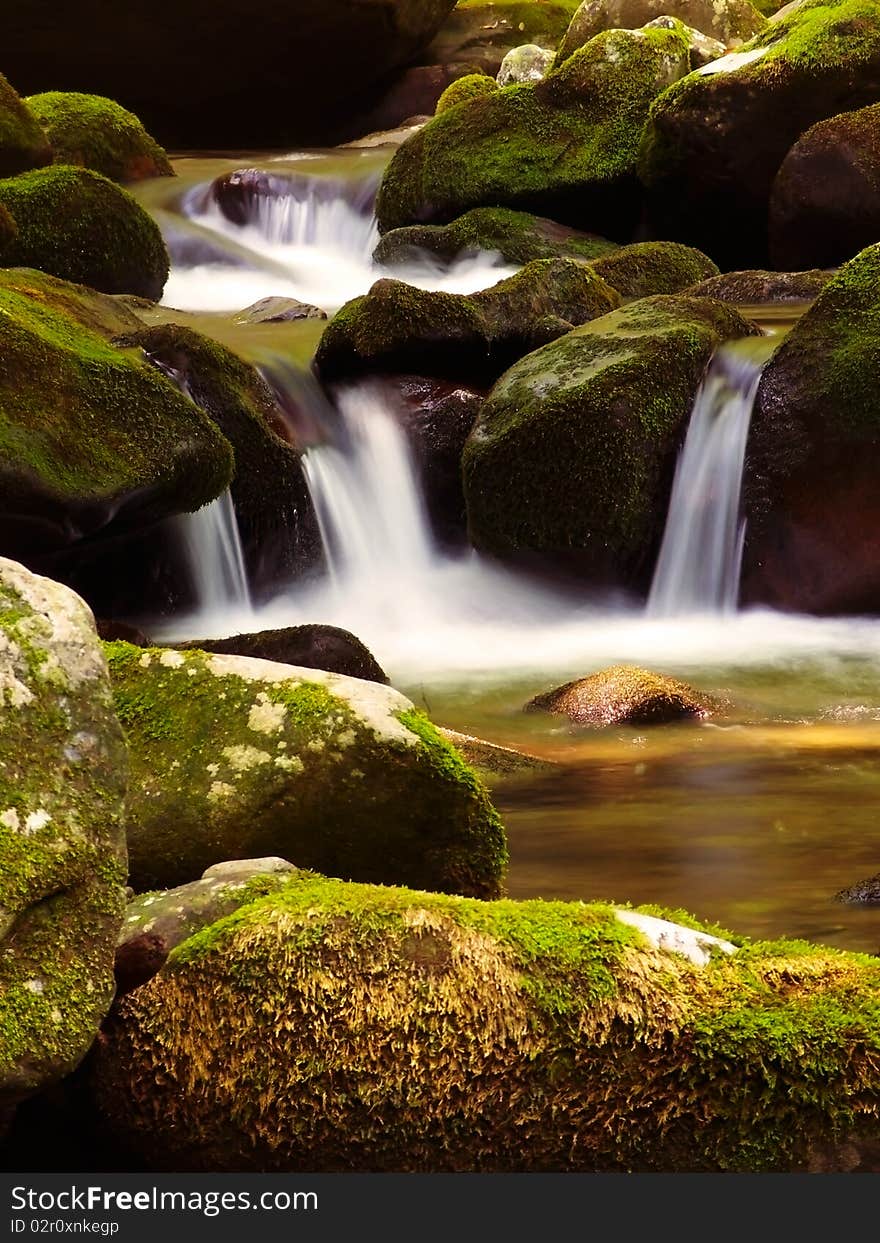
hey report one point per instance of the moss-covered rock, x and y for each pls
(23, 144)
(311, 647)
(62, 785)
(809, 488)
(623, 695)
(716, 140)
(357, 1027)
(233, 757)
(471, 86)
(732, 22)
(564, 147)
(825, 202)
(276, 517)
(572, 453)
(527, 63)
(8, 231)
(94, 132)
(117, 445)
(398, 328)
(77, 225)
(516, 235)
(758, 288)
(646, 268)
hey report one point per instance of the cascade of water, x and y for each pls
(212, 547)
(698, 568)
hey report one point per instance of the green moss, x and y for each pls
(93, 132)
(80, 226)
(114, 426)
(647, 268)
(471, 86)
(566, 145)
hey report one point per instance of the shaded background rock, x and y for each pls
(312, 646)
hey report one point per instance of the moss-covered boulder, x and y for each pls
(825, 202)
(646, 268)
(275, 514)
(572, 454)
(623, 695)
(471, 86)
(155, 923)
(565, 147)
(233, 757)
(732, 22)
(516, 235)
(398, 328)
(312, 646)
(527, 63)
(77, 225)
(178, 64)
(117, 446)
(62, 878)
(351, 1027)
(23, 144)
(97, 133)
(8, 231)
(758, 288)
(716, 140)
(813, 455)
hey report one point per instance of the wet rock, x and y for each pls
(467, 337)
(243, 196)
(756, 287)
(715, 141)
(77, 225)
(571, 459)
(813, 454)
(862, 893)
(311, 647)
(731, 22)
(565, 147)
(109, 630)
(278, 311)
(233, 757)
(96, 133)
(516, 235)
(490, 759)
(528, 63)
(646, 268)
(156, 923)
(173, 68)
(825, 203)
(62, 879)
(415, 1032)
(623, 695)
(23, 144)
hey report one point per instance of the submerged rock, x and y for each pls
(491, 760)
(755, 288)
(278, 311)
(155, 923)
(813, 456)
(516, 235)
(311, 647)
(398, 328)
(359, 1027)
(715, 141)
(624, 695)
(646, 268)
(77, 225)
(233, 757)
(23, 144)
(862, 893)
(572, 455)
(62, 878)
(565, 147)
(94, 132)
(825, 203)
(117, 447)
(729, 21)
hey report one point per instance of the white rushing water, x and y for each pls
(212, 549)
(698, 569)
(313, 243)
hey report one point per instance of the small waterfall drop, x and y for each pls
(698, 568)
(212, 549)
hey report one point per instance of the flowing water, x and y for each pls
(214, 558)
(753, 820)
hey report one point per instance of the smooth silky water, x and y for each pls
(753, 820)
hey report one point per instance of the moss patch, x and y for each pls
(471, 86)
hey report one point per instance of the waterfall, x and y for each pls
(698, 568)
(211, 546)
